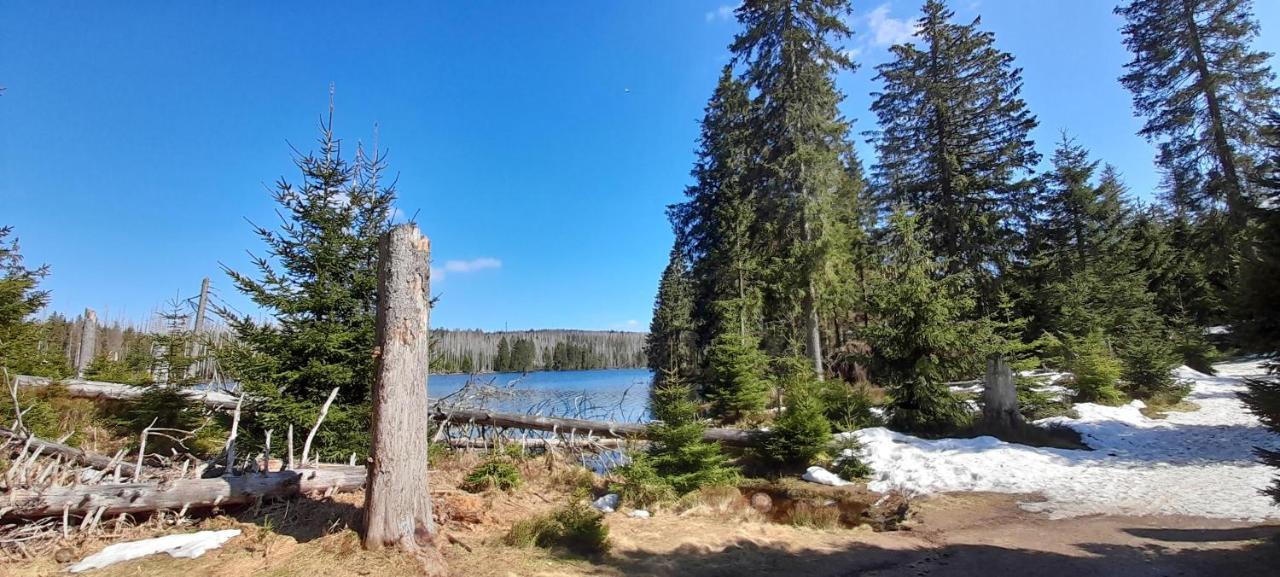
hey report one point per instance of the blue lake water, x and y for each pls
(603, 394)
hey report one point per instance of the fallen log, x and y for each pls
(608, 429)
(536, 443)
(68, 452)
(81, 388)
(178, 494)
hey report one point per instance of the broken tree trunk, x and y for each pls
(52, 448)
(397, 510)
(88, 342)
(607, 429)
(178, 494)
(1000, 396)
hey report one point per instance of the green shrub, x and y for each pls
(736, 383)
(1094, 369)
(1036, 404)
(1193, 349)
(926, 407)
(575, 527)
(641, 486)
(495, 473)
(437, 452)
(801, 432)
(1148, 366)
(848, 464)
(848, 406)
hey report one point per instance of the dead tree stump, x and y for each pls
(397, 509)
(1000, 396)
(88, 342)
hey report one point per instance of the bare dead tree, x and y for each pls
(398, 498)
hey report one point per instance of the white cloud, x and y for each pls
(464, 267)
(887, 31)
(724, 12)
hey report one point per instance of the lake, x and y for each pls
(602, 394)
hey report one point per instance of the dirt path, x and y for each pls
(962, 535)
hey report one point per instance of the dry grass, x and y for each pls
(1159, 410)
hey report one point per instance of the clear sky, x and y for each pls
(538, 142)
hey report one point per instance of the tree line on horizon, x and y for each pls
(475, 351)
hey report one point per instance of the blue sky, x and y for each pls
(538, 142)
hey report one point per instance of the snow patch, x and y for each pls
(1198, 463)
(822, 476)
(188, 545)
(607, 503)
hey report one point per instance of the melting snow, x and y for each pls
(1197, 463)
(822, 476)
(189, 545)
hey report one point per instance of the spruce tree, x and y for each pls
(677, 451)
(669, 345)
(789, 54)
(921, 331)
(1258, 313)
(735, 378)
(717, 223)
(20, 299)
(1204, 92)
(502, 361)
(320, 287)
(954, 143)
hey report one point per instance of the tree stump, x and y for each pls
(88, 342)
(397, 500)
(1000, 396)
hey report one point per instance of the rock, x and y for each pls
(822, 476)
(607, 503)
(762, 502)
(639, 514)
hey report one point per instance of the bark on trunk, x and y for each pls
(174, 495)
(1217, 124)
(813, 330)
(88, 342)
(398, 501)
(999, 396)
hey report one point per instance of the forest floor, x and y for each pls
(969, 534)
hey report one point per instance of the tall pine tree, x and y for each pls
(789, 56)
(1204, 92)
(954, 143)
(717, 222)
(669, 345)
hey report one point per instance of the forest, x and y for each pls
(475, 351)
